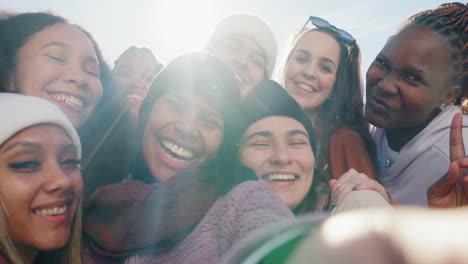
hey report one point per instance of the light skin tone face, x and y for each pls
(40, 188)
(311, 71)
(133, 72)
(183, 130)
(59, 64)
(281, 156)
(244, 57)
(408, 81)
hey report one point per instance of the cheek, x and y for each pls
(250, 159)
(258, 74)
(306, 161)
(96, 92)
(213, 140)
(290, 73)
(372, 75)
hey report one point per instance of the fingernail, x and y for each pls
(357, 185)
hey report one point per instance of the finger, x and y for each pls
(457, 149)
(349, 174)
(374, 186)
(465, 179)
(332, 183)
(444, 185)
(345, 189)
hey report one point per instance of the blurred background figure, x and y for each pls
(133, 73)
(246, 44)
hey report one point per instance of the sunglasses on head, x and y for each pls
(322, 23)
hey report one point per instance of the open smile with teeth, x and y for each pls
(71, 100)
(177, 152)
(306, 87)
(280, 177)
(135, 97)
(52, 211)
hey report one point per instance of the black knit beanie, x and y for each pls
(271, 99)
(205, 76)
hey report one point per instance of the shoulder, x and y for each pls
(346, 133)
(346, 136)
(252, 197)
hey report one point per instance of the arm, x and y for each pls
(347, 151)
(129, 216)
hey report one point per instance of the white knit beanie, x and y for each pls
(252, 27)
(18, 112)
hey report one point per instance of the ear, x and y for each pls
(451, 94)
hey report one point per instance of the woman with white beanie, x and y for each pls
(40, 183)
(247, 45)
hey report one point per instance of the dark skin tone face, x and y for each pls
(407, 83)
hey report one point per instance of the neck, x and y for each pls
(398, 137)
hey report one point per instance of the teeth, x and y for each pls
(68, 99)
(135, 96)
(305, 87)
(52, 211)
(281, 177)
(181, 151)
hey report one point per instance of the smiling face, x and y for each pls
(59, 64)
(40, 187)
(311, 71)
(183, 130)
(281, 156)
(133, 72)
(410, 78)
(245, 58)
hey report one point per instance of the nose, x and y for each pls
(309, 71)
(280, 155)
(387, 85)
(76, 75)
(186, 128)
(57, 179)
(241, 59)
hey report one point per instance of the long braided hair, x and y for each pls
(450, 20)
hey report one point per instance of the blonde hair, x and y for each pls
(70, 254)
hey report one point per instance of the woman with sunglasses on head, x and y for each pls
(40, 183)
(322, 74)
(411, 89)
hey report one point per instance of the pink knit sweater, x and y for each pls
(248, 207)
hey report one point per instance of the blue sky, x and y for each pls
(172, 27)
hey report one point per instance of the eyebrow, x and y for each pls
(67, 148)
(55, 43)
(259, 133)
(297, 132)
(25, 144)
(322, 58)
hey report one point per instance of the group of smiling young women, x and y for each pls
(179, 167)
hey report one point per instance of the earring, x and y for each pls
(464, 105)
(442, 106)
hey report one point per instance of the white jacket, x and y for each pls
(421, 161)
